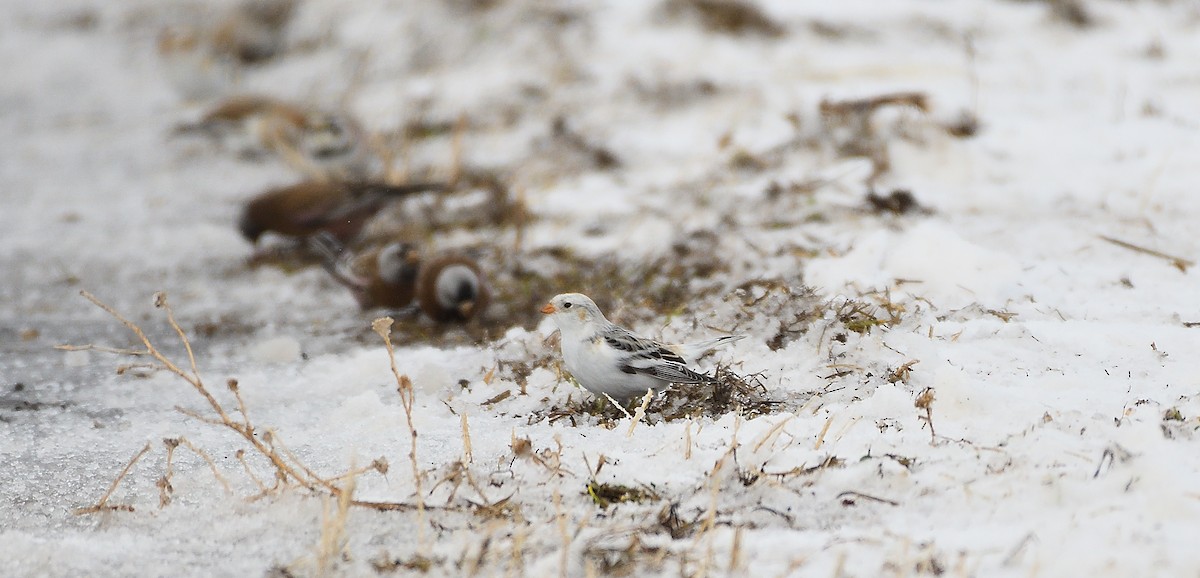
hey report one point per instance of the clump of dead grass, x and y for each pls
(733, 17)
(897, 202)
(729, 392)
(605, 494)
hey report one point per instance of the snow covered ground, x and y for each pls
(1060, 438)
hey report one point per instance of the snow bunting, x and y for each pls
(304, 209)
(607, 359)
(385, 276)
(452, 288)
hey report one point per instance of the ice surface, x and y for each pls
(1065, 398)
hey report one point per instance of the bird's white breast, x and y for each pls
(596, 365)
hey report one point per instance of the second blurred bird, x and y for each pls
(384, 277)
(448, 288)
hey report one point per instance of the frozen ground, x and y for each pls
(1065, 398)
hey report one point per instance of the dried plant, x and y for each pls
(289, 469)
(404, 387)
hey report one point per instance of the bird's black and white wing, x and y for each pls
(647, 357)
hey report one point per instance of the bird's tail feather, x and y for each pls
(693, 351)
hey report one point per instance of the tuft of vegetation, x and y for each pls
(607, 494)
(415, 563)
(898, 202)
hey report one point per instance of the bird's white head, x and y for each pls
(572, 310)
(398, 263)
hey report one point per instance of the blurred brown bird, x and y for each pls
(255, 30)
(451, 288)
(385, 276)
(203, 57)
(338, 208)
(248, 124)
(320, 143)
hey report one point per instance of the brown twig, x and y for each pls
(102, 505)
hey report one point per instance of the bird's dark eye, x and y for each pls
(567, 305)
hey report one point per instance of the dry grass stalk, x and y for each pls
(164, 483)
(100, 348)
(333, 528)
(772, 433)
(404, 386)
(241, 456)
(294, 470)
(618, 405)
(212, 466)
(102, 505)
(735, 551)
(379, 465)
(1178, 262)
(520, 535)
(714, 479)
(456, 152)
(639, 413)
(687, 439)
(925, 402)
(466, 437)
(561, 519)
(824, 431)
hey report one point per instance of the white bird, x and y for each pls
(607, 359)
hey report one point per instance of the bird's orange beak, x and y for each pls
(548, 309)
